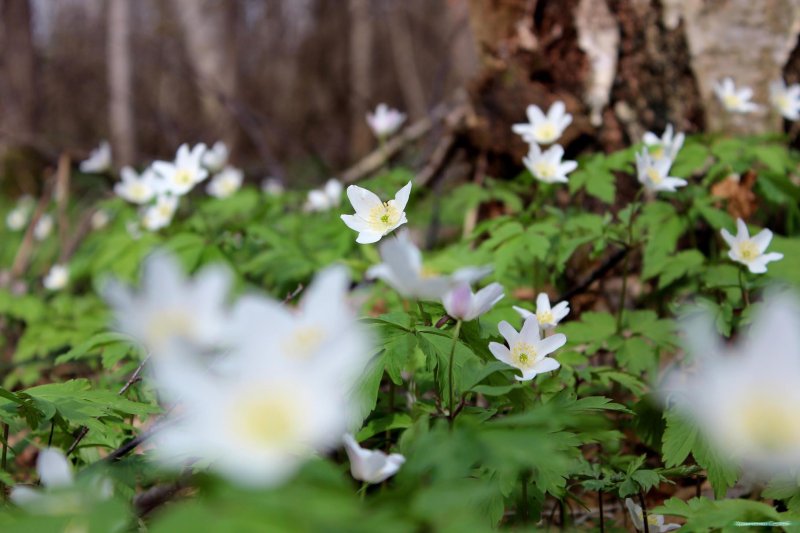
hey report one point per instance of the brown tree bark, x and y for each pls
(17, 84)
(120, 83)
(360, 74)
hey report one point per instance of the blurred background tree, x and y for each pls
(286, 83)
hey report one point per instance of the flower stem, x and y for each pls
(456, 332)
(743, 286)
(644, 512)
(362, 492)
(636, 204)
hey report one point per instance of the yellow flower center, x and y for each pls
(304, 342)
(169, 323)
(545, 317)
(770, 423)
(748, 250)
(782, 102)
(732, 101)
(227, 187)
(657, 152)
(165, 210)
(266, 418)
(654, 175)
(138, 191)
(544, 170)
(546, 132)
(383, 217)
(183, 177)
(523, 355)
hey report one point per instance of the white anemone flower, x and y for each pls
(135, 188)
(786, 99)
(654, 175)
(326, 198)
(55, 497)
(57, 278)
(100, 219)
(168, 307)
(371, 466)
(749, 251)
(547, 166)
(541, 128)
(462, 304)
(17, 218)
(548, 317)
(385, 121)
(160, 214)
(322, 334)
(526, 350)
(373, 218)
(186, 171)
(43, 228)
(99, 160)
(402, 269)
(735, 100)
(744, 397)
(216, 157)
(268, 420)
(665, 147)
(654, 521)
(227, 182)
(272, 186)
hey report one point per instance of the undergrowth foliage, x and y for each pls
(474, 448)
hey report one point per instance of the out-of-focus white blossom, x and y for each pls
(749, 251)
(186, 171)
(786, 99)
(326, 198)
(216, 157)
(272, 186)
(547, 166)
(541, 128)
(665, 147)
(160, 214)
(734, 100)
(43, 228)
(99, 159)
(371, 466)
(135, 188)
(462, 304)
(374, 218)
(57, 278)
(227, 182)
(548, 317)
(100, 219)
(654, 175)
(17, 218)
(385, 121)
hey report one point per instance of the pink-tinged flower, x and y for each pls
(462, 304)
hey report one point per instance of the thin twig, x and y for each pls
(596, 274)
(644, 512)
(26, 247)
(442, 322)
(291, 296)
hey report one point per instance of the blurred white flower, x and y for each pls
(181, 175)
(272, 186)
(654, 521)
(385, 121)
(322, 334)
(169, 307)
(371, 466)
(749, 251)
(267, 421)
(462, 304)
(547, 166)
(326, 198)
(732, 99)
(216, 157)
(227, 182)
(17, 218)
(547, 317)
(135, 188)
(654, 175)
(159, 215)
(55, 474)
(99, 159)
(100, 219)
(785, 99)
(745, 397)
(402, 270)
(526, 350)
(541, 129)
(665, 147)
(373, 218)
(57, 278)
(43, 228)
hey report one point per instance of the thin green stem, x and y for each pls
(362, 492)
(456, 332)
(636, 204)
(4, 459)
(743, 287)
